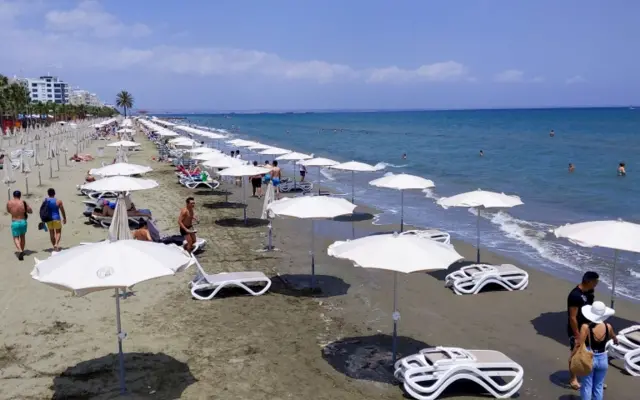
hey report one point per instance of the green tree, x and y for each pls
(124, 100)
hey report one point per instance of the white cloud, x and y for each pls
(90, 17)
(538, 79)
(510, 76)
(575, 79)
(447, 71)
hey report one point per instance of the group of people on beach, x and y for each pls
(586, 328)
(274, 177)
(52, 216)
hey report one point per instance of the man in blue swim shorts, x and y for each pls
(275, 178)
(18, 209)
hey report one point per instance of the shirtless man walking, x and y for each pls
(18, 209)
(275, 178)
(185, 222)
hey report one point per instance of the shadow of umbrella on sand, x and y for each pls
(154, 375)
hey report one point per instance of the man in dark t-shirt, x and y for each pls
(581, 295)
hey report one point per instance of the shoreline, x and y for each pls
(284, 344)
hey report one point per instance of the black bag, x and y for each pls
(26, 214)
(45, 212)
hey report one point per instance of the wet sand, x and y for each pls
(286, 344)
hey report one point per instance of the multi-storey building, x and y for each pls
(48, 88)
(83, 97)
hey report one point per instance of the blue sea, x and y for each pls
(520, 158)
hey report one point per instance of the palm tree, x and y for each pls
(4, 83)
(124, 99)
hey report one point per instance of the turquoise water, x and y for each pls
(520, 158)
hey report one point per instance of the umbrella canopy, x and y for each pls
(125, 130)
(319, 162)
(617, 235)
(202, 150)
(109, 265)
(244, 170)
(294, 156)
(124, 143)
(259, 146)
(223, 162)
(394, 252)
(120, 169)
(274, 151)
(397, 253)
(355, 166)
(480, 198)
(312, 207)
(120, 184)
(402, 182)
(119, 228)
(209, 156)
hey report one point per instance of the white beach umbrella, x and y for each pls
(110, 265)
(274, 151)
(243, 171)
(355, 166)
(125, 130)
(319, 162)
(397, 253)
(223, 162)
(202, 150)
(402, 182)
(120, 184)
(209, 156)
(312, 207)
(120, 169)
(295, 157)
(259, 146)
(617, 235)
(124, 143)
(478, 199)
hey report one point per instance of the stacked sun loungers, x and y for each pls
(288, 185)
(627, 349)
(204, 282)
(473, 278)
(427, 374)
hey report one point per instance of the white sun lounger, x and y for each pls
(632, 362)
(105, 221)
(473, 278)
(217, 282)
(194, 184)
(198, 246)
(288, 185)
(433, 234)
(628, 340)
(427, 374)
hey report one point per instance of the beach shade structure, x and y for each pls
(397, 253)
(313, 208)
(319, 162)
(480, 199)
(8, 179)
(354, 166)
(120, 184)
(274, 151)
(242, 171)
(124, 143)
(222, 161)
(110, 265)
(120, 169)
(617, 235)
(259, 146)
(202, 150)
(402, 182)
(209, 156)
(295, 157)
(125, 130)
(26, 170)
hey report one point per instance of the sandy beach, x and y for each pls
(287, 344)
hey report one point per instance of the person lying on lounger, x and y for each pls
(109, 207)
(89, 177)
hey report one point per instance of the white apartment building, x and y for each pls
(48, 88)
(83, 97)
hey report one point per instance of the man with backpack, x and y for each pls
(52, 214)
(19, 211)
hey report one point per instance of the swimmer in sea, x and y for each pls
(571, 168)
(481, 153)
(552, 133)
(622, 169)
(404, 156)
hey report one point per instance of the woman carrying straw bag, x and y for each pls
(589, 357)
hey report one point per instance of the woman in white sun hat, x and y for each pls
(595, 336)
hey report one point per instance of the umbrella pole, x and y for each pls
(319, 179)
(396, 318)
(353, 178)
(478, 235)
(294, 176)
(613, 279)
(121, 336)
(244, 200)
(313, 256)
(401, 210)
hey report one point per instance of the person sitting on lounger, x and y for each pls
(89, 177)
(142, 233)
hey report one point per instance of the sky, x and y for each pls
(202, 55)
